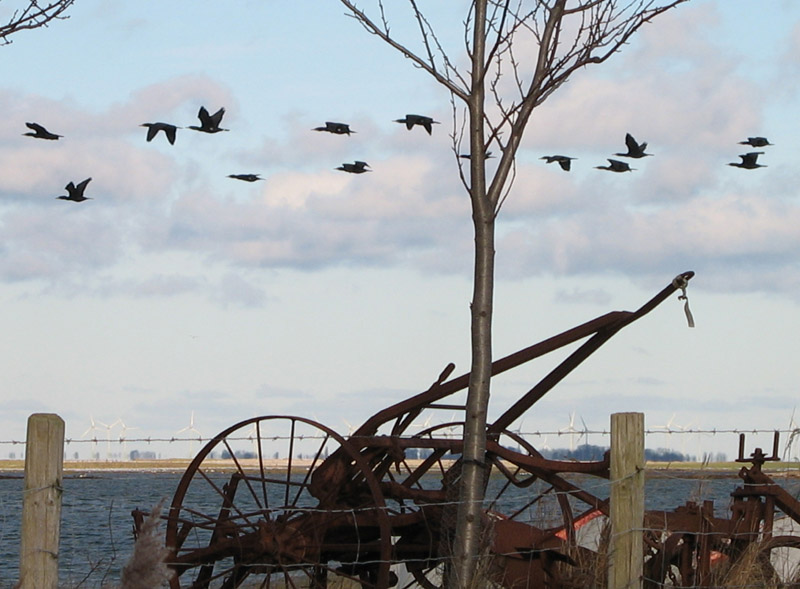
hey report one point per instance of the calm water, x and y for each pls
(96, 537)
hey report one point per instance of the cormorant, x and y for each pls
(209, 123)
(245, 177)
(40, 132)
(756, 142)
(421, 120)
(356, 167)
(563, 161)
(75, 193)
(335, 128)
(616, 166)
(749, 161)
(635, 150)
(154, 128)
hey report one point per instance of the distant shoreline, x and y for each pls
(177, 465)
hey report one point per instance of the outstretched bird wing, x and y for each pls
(633, 146)
(81, 187)
(170, 131)
(216, 118)
(618, 166)
(750, 159)
(36, 127)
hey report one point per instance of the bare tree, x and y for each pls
(517, 53)
(32, 15)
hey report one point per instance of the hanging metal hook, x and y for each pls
(682, 283)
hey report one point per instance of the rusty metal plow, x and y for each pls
(284, 501)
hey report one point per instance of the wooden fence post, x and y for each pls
(625, 551)
(41, 502)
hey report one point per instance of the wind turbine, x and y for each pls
(668, 426)
(570, 429)
(545, 449)
(424, 425)
(92, 428)
(122, 439)
(191, 428)
(584, 433)
(794, 432)
(108, 436)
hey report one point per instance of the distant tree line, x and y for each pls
(590, 452)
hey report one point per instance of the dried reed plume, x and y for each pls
(146, 568)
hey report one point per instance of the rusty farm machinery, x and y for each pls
(285, 501)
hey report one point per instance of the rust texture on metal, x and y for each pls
(352, 508)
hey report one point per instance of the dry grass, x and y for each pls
(146, 568)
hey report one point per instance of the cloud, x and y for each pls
(723, 235)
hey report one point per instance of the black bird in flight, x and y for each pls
(75, 193)
(209, 123)
(335, 128)
(563, 161)
(40, 132)
(616, 166)
(421, 120)
(466, 156)
(245, 177)
(749, 161)
(154, 128)
(356, 167)
(756, 142)
(635, 150)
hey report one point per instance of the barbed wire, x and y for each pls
(531, 433)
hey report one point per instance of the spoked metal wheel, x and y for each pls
(278, 501)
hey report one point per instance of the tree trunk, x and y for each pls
(468, 537)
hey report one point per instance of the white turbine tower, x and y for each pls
(191, 428)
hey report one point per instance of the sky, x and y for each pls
(180, 299)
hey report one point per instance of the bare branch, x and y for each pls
(33, 16)
(383, 33)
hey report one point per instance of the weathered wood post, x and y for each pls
(41, 502)
(625, 551)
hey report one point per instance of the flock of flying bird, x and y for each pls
(211, 124)
(636, 150)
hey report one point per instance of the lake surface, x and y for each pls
(96, 531)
